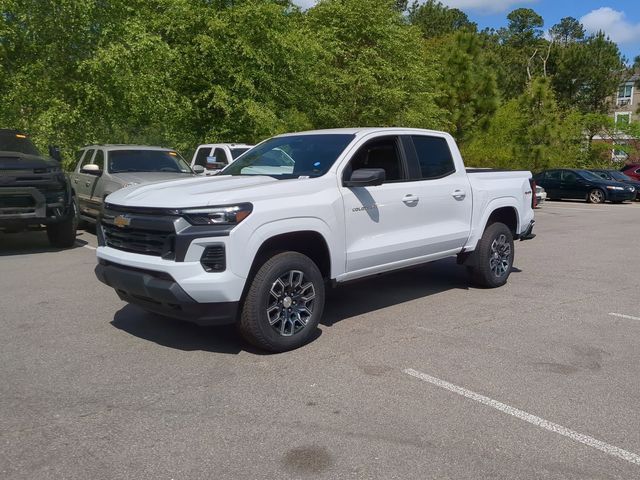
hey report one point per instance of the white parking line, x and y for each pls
(85, 245)
(628, 317)
(527, 417)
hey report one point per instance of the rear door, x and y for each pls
(443, 194)
(551, 183)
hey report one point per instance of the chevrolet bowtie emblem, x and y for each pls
(122, 221)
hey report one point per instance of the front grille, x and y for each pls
(135, 240)
(213, 258)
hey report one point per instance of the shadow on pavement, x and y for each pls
(385, 290)
(347, 301)
(32, 241)
(178, 334)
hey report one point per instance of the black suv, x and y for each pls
(34, 190)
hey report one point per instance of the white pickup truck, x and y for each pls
(258, 243)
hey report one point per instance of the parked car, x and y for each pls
(583, 185)
(34, 191)
(541, 195)
(213, 157)
(103, 169)
(618, 176)
(259, 248)
(632, 170)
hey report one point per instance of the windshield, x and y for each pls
(293, 156)
(618, 176)
(236, 152)
(147, 161)
(16, 142)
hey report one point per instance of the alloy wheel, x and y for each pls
(291, 303)
(500, 258)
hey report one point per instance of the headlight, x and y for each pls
(130, 184)
(610, 187)
(231, 215)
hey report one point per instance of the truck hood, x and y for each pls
(22, 161)
(204, 191)
(148, 177)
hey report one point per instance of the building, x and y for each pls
(627, 101)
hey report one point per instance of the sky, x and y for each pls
(619, 19)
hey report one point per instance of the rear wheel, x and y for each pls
(63, 234)
(596, 196)
(493, 257)
(284, 303)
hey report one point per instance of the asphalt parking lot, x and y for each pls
(413, 374)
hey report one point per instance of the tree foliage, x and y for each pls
(181, 72)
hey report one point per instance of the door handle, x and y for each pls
(459, 194)
(411, 199)
(88, 183)
(75, 180)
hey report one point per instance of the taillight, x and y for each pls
(534, 198)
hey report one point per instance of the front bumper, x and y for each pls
(158, 292)
(528, 232)
(620, 195)
(22, 206)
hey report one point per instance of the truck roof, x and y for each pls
(124, 146)
(363, 131)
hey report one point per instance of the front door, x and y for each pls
(382, 225)
(83, 182)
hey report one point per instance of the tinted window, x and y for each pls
(434, 156)
(553, 175)
(87, 157)
(146, 161)
(201, 156)
(569, 177)
(16, 142)
(221, 156)
(99, 159)
(379, 153)
(292, 156)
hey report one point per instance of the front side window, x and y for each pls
(99, 159)
(569, 177)
(379, 153)
(201, 156)
(146, 161)
(292, 156)
(434, 156)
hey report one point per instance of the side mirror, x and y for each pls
(366, 177)
(54, 152)
(91, 169)
(198, 169)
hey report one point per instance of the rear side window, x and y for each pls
(434, 156)
(553, 175)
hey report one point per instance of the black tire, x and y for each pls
(596, 196)
(281, 333)
(63, 234)
(487, 271)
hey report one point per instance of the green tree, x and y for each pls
(435, 20)
(470, 93)
(374, 68)
(567, 30)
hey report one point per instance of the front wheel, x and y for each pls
(493, 257)
(63, 234)
(284, 303)
(596, 196)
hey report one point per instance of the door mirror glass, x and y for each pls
(366, 177)
(91, 169)
(198, 169)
